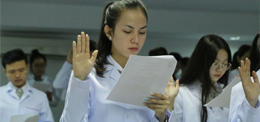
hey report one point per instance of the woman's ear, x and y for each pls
(108, 31)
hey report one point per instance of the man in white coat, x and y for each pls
(18, 97)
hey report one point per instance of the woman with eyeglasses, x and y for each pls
(205, 77)
(245, 98)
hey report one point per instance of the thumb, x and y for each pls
(256, 80)
(94, 55)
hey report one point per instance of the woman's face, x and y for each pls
(129, 34)
(218, 69)
(38, 67)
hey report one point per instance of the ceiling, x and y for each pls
(244, 6)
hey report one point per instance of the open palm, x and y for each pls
(82, 61)
(251, 89)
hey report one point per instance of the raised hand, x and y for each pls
(159, 103)
(82, 61)
(251, 89)
(171, 91)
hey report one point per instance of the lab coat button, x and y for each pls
(127, 116)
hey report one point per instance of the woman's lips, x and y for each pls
(217, 76)
(133, 49)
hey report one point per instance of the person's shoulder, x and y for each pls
(37, 92)
(3, 88)
(49, 78)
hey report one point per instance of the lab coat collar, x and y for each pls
(195, 88)
(27, 91)
(113, 67)
(258, 73)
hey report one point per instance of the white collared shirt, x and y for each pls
(86, 100)
(46, 80)
(187, 106)
(240, 109)
(32, 101)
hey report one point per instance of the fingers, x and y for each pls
(248, 66)
(83, 42)
(87, 44)
(177, 84)
(94, 55)
(159, 95)
(74, 49)
(256, 80)
(156, 106)
(79, 44)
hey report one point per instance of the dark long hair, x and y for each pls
(241, 51)
(255, 55)
(199, 64)
(111, 15)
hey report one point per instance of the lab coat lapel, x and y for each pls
(195, 89)
(114, 75)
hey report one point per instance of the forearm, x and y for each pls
(77, 100)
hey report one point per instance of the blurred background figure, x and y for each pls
(158, 51)
(241, 54)
(39, 80)
(62, 78)
(17, 96)
(177, 73)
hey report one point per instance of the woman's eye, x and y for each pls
(142, 32)
(127, 32)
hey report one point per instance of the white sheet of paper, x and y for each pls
(32, 117)
(42, 86)
(223, 100)
(142, 76)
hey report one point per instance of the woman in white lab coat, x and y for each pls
(205, 77)
(244, 103)
(123, 33)
(242, 53)
(38, 64)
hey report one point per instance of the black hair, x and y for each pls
(35, 55)
(92, 45)
(176, 55)
(199, 64)
(158, 51)
(14, 56)
(241, 51)
(111, 15)
(255, 55)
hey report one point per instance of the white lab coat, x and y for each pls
(32, 101)
(86, 100)
(47, 80)
(240, 109)
(187, 106)
(61, 80)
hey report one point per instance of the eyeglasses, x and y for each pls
(224, 66)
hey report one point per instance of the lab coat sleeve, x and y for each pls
(240, 109)
(77, 104)
(177, 113)
(45, 112)
(62, 78)
(55, 98)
